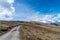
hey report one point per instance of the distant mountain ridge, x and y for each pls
(54, 23)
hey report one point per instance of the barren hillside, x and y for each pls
(35, 31)
(32, 30)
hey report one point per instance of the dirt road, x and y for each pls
(12, 35)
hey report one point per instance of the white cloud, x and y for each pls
(34, 17)
(44, 18)
(6, 9)
(10, 1)
(25, 13)
(41, 18)
(58, 15)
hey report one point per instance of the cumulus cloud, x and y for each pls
(34, 17)
(40, 18)
(44, 18)
(25, 13)
(6, 9)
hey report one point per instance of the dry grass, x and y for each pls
(6, 26)
(32, 30)
(35, 31)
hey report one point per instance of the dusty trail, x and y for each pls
(12, 35)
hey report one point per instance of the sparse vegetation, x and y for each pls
(6, 26)
(32, 30)
(40, 31)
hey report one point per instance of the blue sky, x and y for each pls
(30, 10)
(47, 6)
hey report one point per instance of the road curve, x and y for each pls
(12, 35)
